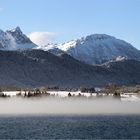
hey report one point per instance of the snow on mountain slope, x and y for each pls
(14, 39)
(47, 47)
(52, 48)
(117, 59)
(98, 48)
(19, 37)
(7, 42)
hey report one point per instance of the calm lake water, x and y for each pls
(70, 127)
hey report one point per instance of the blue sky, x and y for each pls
(64, 20)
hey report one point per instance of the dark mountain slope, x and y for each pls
(33, 68)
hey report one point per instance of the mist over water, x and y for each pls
(60, 106)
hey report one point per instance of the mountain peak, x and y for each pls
(98, 37)
(14, 39)
(20, 38)
(1, 31)
(17, 29)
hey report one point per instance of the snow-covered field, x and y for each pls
(65, 93)
(130, 97)
(12, 93)
(124, 96)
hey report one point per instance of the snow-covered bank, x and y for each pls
(12, 93)
(130, 97)
(63, 94)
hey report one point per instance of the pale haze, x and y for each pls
(58, 106)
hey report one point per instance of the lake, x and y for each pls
(70, 127)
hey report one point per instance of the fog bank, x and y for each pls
(59, 106)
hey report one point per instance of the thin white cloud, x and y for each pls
(42, 38)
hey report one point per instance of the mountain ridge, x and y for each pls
(96, 49)
(92, 49)
(29, 65)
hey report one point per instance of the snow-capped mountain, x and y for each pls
(35, 67)
(14, 39)
(92, 49)
(98, 48)
(19, 37)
